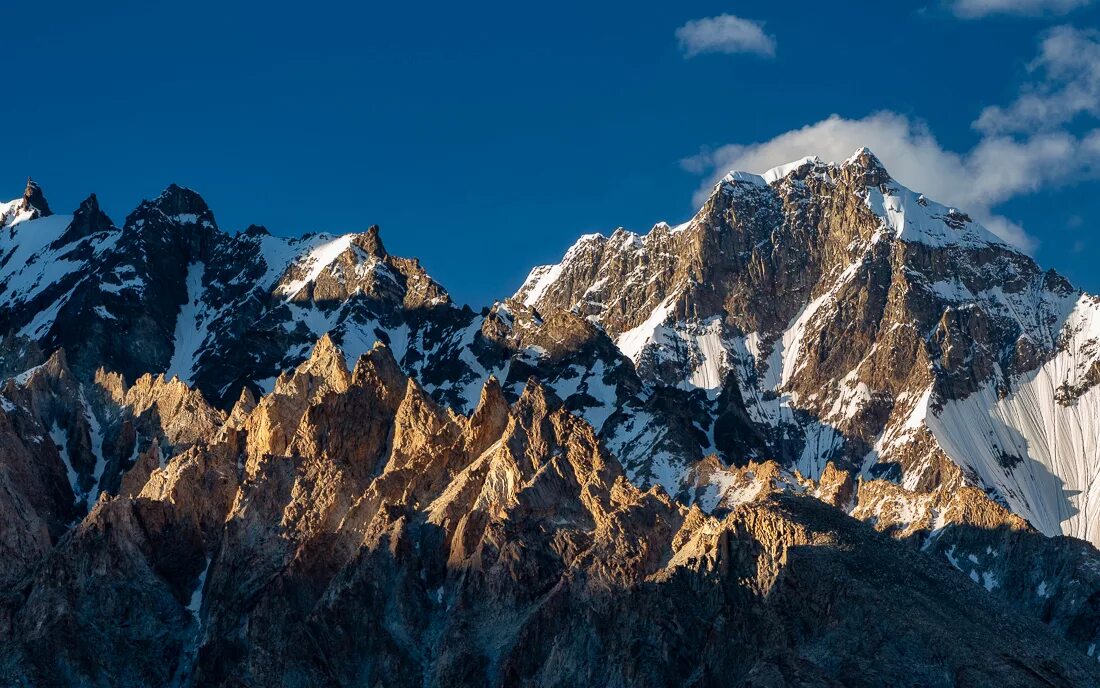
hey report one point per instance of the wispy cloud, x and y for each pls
(1016, 155)
(725, 34)
(975, 9)
(1066, 85)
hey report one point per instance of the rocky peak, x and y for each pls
(183, 205)
(56, 366)
(339, 268)
(874, 172)
(327, 364)
(536, 400)
(87, 220)
(50, 375)
(49, 391)
(272, 425)
(419, 422)
(491, 404)
(245, 404)
(797, 233)
(176, 222)
(112, 384)
(379, 366)
(181, 413)
(371, 242)
(34, 201)
(489, 418)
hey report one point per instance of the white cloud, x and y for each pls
(1067, 85)
(725, 34)
(973, 9)
(1023, 149)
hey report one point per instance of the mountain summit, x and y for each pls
(34, 202)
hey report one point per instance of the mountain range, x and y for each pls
(828, 432)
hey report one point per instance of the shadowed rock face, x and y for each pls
(348, 530)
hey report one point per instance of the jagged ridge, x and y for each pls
(697, 353)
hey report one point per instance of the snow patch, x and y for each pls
(633, 341)
(95, 434)
(191, 326)
(195, 604)
(61, 439)
(914, 218)
(315, 261)
(540, 279)
(1042, 454)
(777, 173)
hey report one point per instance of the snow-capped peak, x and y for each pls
(779, 172)
(863, 156)
(358, 261)
(909, 215)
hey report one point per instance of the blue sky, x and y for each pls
(485, 139)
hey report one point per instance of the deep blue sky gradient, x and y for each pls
(483, 138)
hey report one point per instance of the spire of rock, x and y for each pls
(489, 419)
(326, 355)
(379, 365)
(246, 403)
(90, 212)
(34, 200)
(58, 364)
(325, 368)
(492, 401)
(371, 242)
(87, 220)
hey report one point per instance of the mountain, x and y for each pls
(830, 314)
(826, 432)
